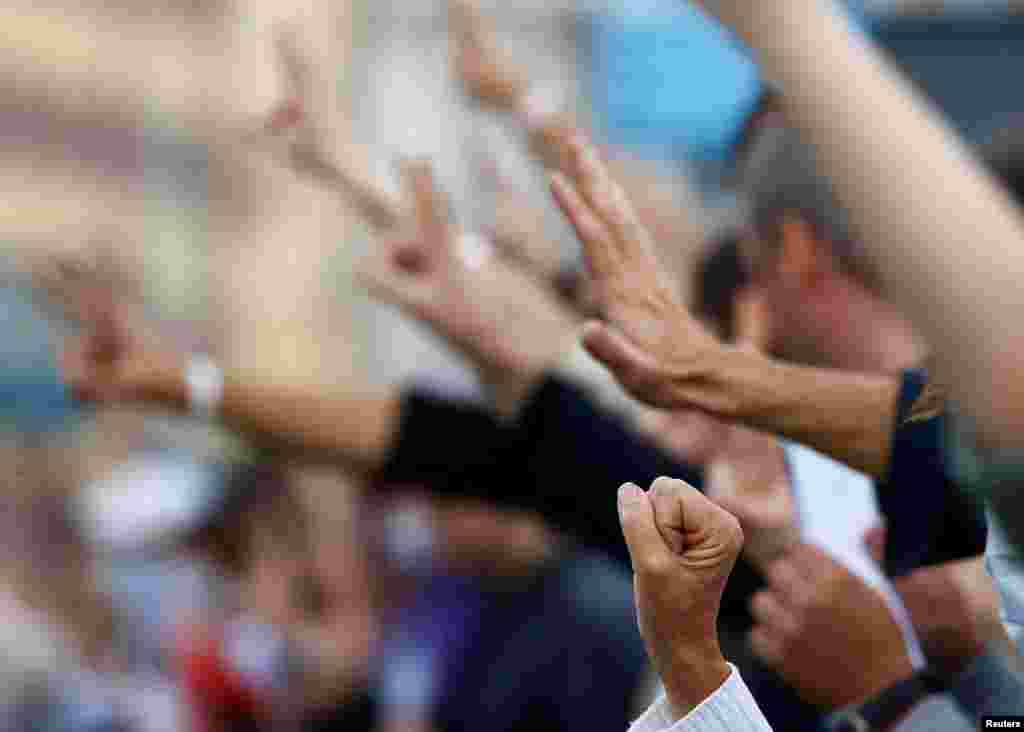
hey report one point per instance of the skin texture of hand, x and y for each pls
(520, 232)
(648, 339)
(110, 361)
(499, 317)
(683, 548)
(955, 610)
(487, 75)
(826, 632)
(298, 136)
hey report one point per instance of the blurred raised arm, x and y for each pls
(116, 360)
(506, 323)
(295, 132)
(663, 356)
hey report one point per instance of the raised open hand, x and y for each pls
(648, 339)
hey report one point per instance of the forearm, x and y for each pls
(357, 427)
(844, 415)
(511, 328)
(943, 234)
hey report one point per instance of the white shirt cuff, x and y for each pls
(729, 709)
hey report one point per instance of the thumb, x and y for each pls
(609, 347)
(682, 509)
(647, 548)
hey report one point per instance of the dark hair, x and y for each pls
(1004, 153)
(781, 177)
(720, 274)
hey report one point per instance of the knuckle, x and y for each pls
(732, 532)
(665, 486)
(655, 565)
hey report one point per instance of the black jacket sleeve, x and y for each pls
(565, 458)
(929, 520)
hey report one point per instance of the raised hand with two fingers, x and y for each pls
(504, 321)
(296, 133)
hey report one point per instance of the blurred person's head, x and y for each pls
(823, 298)
(718, 279)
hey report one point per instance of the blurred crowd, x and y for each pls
(708, 419)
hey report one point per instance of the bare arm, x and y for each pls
(668, 206)
(510, 327)
(945, 236)
(357, 426)
(664, 357)
(846, 415)
(351, 423)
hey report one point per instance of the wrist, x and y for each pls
(885, 677)
(159, 378)
(889, 706)
(537, 106)
(694, 674)
(531, 336)
(510, 381)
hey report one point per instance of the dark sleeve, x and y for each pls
(565, 459)
(579, 455)
(446, 444)
(989, 686)
(929, 520)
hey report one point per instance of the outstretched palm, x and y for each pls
(648, 339)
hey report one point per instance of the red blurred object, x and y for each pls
(220, 697)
